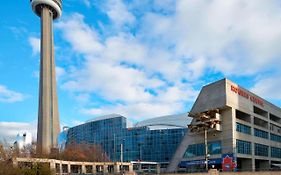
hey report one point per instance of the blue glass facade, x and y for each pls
(139, 143)
(199, 149)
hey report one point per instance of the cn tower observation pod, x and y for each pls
(54, 5)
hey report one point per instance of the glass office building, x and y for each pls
(151, 140)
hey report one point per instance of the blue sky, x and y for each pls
(137, 58)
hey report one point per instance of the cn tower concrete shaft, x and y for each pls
(48, 116)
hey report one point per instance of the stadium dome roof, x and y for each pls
(165, 122)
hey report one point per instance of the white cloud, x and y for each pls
(118, 12)
(114, 82)
(164, 5)
(77, 122)
(10, 96)
(35, 45)
(137, 111)
(238, 37)
(268, 87)
(125, 47)
(151, 71)
(83, 38)
(9, 130)
(125, 71)
(111, 72)
(59, 72)
(83, 98)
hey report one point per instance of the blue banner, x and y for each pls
(199, 162)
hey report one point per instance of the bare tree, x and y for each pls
(3, 155)
(83, 152)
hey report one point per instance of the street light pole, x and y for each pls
(140, 157)
(140, 152)
(121, 152)
(206, 147)
(204, 121)
(114, 149)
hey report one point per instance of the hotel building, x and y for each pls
(248, 136)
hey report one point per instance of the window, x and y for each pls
(260, 112)
(275, 128)
(275, 118)
(243, 116)
(243, 128)
(275, 152)
(199, 149)
(261, 133)
(214, 147)
(261, 150)
(195, 150)
(243, 147)
(260, 122)
(275, 137)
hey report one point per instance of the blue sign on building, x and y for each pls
(185, 164)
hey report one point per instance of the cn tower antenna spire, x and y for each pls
(48, 116)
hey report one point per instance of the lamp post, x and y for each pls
(121, 152)
(203, 122)
(140, 151)
(121, 156)
(206, 147)
(140, 156)
(114, 149)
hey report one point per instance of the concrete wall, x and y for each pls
(210, 97)
(68, 167)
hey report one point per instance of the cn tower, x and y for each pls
(48, 116)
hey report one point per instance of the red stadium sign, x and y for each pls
(246, 95)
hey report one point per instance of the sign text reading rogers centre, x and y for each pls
(246, 95)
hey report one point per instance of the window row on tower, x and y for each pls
(245, 147)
